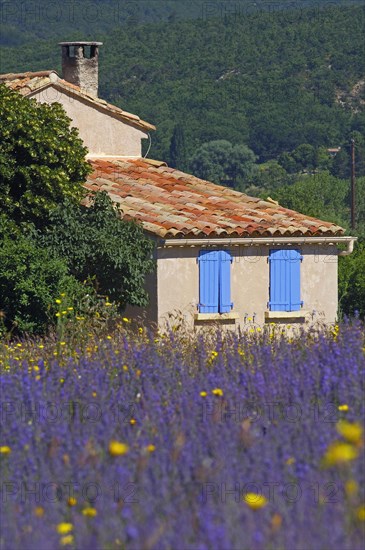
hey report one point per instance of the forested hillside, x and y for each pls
(23, 22)
(269, 80)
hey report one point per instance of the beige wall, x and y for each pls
(178, 283)
(146, 315)
(102, 133)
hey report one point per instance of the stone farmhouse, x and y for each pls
(221, 256)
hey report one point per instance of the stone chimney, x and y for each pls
(80, 65)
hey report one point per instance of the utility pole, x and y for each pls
(353, 224)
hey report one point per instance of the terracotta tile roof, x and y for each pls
(170, 203)
(28, 83)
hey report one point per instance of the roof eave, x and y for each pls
(254, 241)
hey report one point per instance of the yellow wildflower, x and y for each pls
(118, 449)
(351, 487)
(5, 450)
(203, 394)
(89, 512)
(352, 432)
(255, 501)
(290, 460)
(68, 539)
(361, 513)
(132, 421)
(58, 314)
(58, 301)
(70, 308)
(94, 394)
(39, 511)
(343, 407)
(151, 448)
(64, 528)
(217, 391)
(125, 367)
(72, 501)
(109, 337)
(125, 319)
(339, 452)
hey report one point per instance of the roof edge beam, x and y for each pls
(268, 241)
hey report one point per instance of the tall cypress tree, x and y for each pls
(178, 157)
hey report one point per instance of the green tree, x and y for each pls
(323, 160)
(319, 195)
(223, 163)
(31, 278)
(178, 157)
(287, 162)
(42, 159)
(271, 175)
(97, 244)
(342, 161)
(305, 157)
(352, 282)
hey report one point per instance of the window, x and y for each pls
(285, 280)
(215, 281)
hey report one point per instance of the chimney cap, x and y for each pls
(80, 43)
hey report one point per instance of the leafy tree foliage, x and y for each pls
(269, 176)
(42, 160)
(352, 282)
(305, 158)
(342, 161)
(321, 195)
(96, 244)
(56, 243)
(223, 163)
(30, 280)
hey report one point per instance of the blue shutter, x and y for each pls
(285, 280)
(294, 268)
(208, 281)
(225, 304)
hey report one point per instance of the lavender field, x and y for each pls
(146, 442)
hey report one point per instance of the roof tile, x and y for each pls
(170, 203)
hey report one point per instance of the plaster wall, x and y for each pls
(102, 133)
(178, 283)
(147, 315)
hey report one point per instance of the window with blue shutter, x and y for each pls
(285, 280)
(215, 281)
